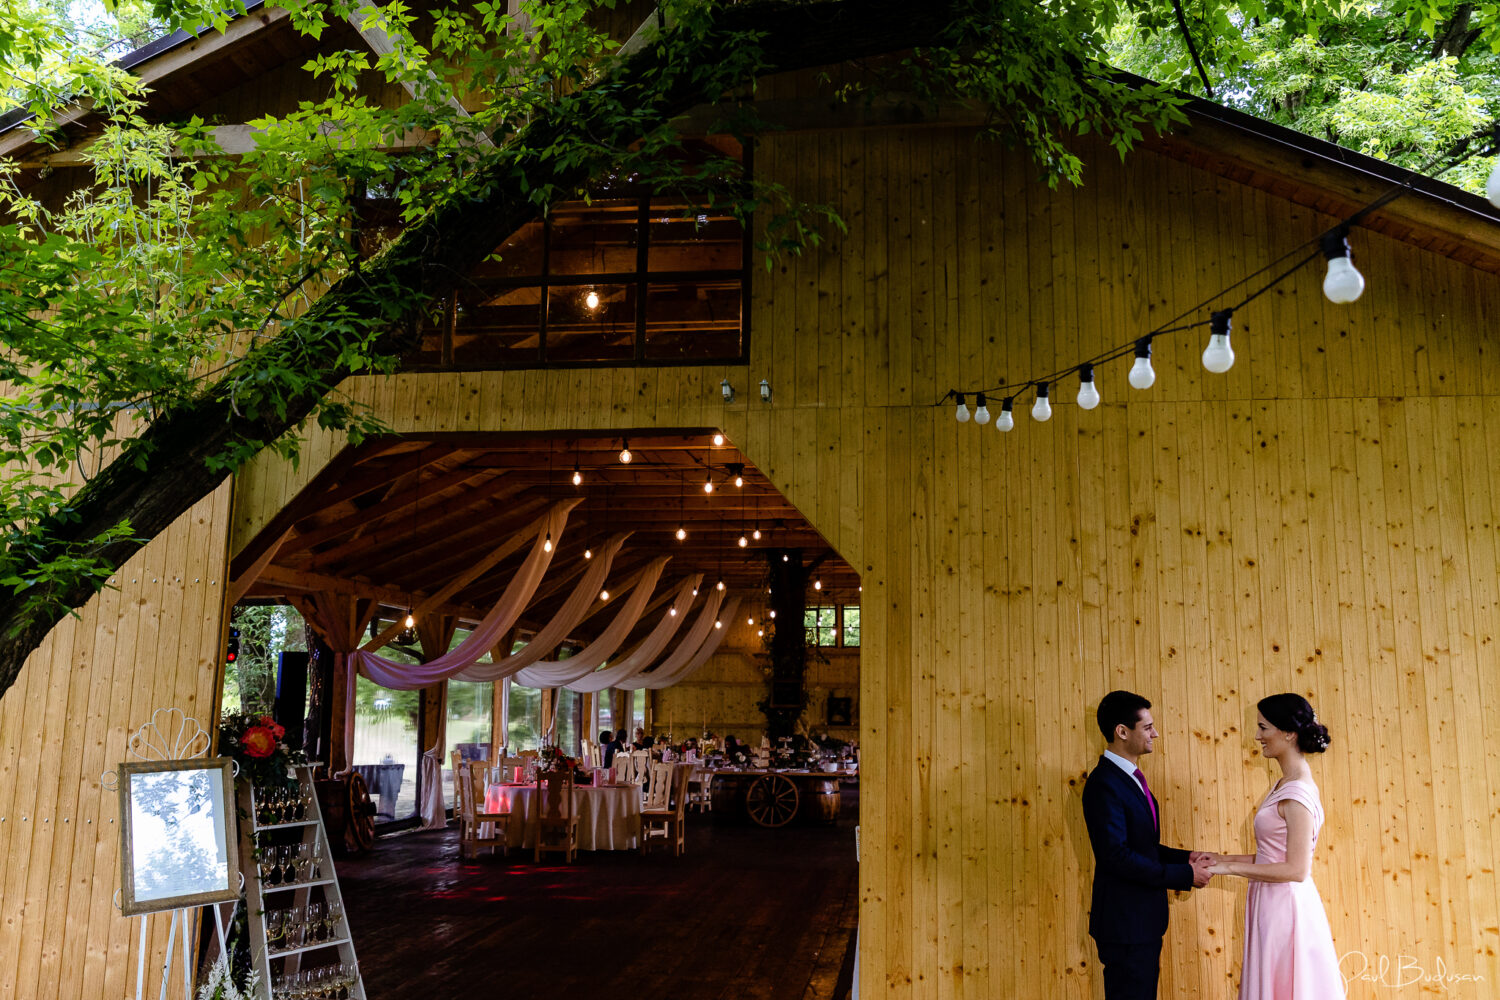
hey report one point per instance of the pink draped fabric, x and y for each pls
(650, 648)
(560, 673)
(517, 595)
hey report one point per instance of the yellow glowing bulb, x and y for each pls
(577, 478)
(755, 534)
(547, 545)
(749, 621)
(411, 622)
(588, 553)
(718, 440)
(591, 299)
(773, 614)
(817, 585)
(744, 541)
(739, 480)
(760, 632)
(673, 611)
(625, 456)
(719, 585)
(718, 624)
(603, 595)
(681, 533)
(708, 486)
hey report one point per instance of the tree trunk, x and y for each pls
(166, 470)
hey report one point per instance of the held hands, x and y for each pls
(1204, 867)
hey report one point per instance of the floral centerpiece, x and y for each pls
(554, 760)
(255, 743)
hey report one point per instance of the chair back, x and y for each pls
(680, 778)
(460, 786)
(659, 790)
(640, 766)
(554, 795)
(474, 786)
(620, 769)
(595, 756)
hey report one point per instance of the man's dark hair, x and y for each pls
(1119, 708)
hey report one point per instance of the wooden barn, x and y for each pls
(1321, 518)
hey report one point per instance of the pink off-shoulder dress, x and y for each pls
(1289, 951)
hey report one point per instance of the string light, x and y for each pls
(817, 585)
(1343, 283)
(981, 410)
(1142, 375)
(604, 595)
(1218, 356)
(625, 455)
(1041, 410)
(750, 620)
(411, 621)
(547, 545)
(673, 611)
(681, 533)
(755, 534)
(718, 624)
(588, 553)
(773, 612)
(708, 483)
(1088, 395)
(961, 412)
(744, 541)
(577, 476)
(719, 585)
(1006, 420)
(591, 300)
(718, 440)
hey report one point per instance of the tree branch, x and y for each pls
(1187, 36)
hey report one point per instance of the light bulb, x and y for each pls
(588, 553)
(1492, 188)
(719, 585)
(1343, 284)
(749, 621)
(760, 633)
(786, 558)
(744, 541)
(1218, 356)
(603, 595)
(1006, 420)
(708, 484)
(547, 545)
(718, 440)
(718, 624)
(410, 621)
(961, 411)
(591, 299)
(577, 477)
(1041, 410)
(739, 481)
(773, 614)
(681, 533)
(625, 455)
(817, 585)
(755, 534)
(981, 410)
(695, 591)
(1142, 375)
(1088, 393)
(673, 611)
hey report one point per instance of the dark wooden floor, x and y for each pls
(746, 913)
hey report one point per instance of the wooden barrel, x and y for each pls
(821, 800)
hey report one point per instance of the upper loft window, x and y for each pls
(630, 277)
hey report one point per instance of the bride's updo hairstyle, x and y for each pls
(1291, 713)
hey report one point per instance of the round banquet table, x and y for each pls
(609, 816)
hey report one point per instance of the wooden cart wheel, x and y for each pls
(359, 834)
(772, 800)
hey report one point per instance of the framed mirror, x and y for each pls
(177, 834)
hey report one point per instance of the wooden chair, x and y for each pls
(556, 823)
(468, 794)
(665, 814)
(640, 767)
(620, 769)
(700, 789)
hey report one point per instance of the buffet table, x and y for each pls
(609, 816)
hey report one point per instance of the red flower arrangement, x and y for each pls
(255, 743)
(553, 759)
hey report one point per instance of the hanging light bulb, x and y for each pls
(591, 300)
(625, 455)
(750, 620)
(708, 483)
(604, 595)
(755, 534)
(588, 553)
(760, 633)
(719, 585)
(1006, 420)
(410, 622)
(744, 541)
(547, 545)
(739, 475)
(961, 411)
(773, 612)
(718, 624)
(817, 585)
(1343, 283)
(673, 611)
(1142, 375)
(981, 410)
(785, 557)
(577, 476)
(1218, 356)
(1088, 393)
(681, 533)
(1041, 410)
(718, 440)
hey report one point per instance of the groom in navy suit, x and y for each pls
(1132, 870)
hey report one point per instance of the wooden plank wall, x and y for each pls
(154, 641)
(1321, 519)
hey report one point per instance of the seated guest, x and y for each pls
(607, 746)
(622, 741)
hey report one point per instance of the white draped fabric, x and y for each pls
(650, 648)
(462, 659)
(558, 673)
(663, 677)
(574, 610)
(697, 634)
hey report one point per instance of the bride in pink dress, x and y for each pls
(1289, 953)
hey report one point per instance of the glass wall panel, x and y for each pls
(693, 319)
(525, 723)
(591, 322)
(385, 746)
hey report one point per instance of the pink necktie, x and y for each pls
(1149, 800)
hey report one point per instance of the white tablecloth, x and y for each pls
(609, 817)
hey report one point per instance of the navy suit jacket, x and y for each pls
(1132, 870)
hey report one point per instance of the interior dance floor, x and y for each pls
(747, 913)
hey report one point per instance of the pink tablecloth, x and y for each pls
(609, 817)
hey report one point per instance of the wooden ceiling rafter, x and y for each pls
(390, 508)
